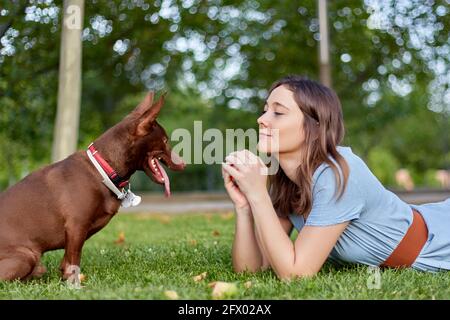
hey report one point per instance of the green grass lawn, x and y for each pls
(165, 252)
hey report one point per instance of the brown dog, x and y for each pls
(63, 204)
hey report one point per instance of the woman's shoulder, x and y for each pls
(329, 205)
(324, 173)
(325, 186)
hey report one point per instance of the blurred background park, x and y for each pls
(388, 61)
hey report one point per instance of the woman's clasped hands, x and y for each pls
(245, 177)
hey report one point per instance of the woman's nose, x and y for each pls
(263, 121)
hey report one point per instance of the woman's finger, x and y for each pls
(242, 156)
(233, 172)
(226, 176)
(229, 183)
(232, 157)
(252, 158)
(241, 159)
(235, 161)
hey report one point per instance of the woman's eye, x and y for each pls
(276, 113)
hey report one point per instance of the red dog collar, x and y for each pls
(118, 181)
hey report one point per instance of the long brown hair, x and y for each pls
(323, 129)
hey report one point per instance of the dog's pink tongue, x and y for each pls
(166, 178)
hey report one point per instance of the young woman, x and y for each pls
(325, 191)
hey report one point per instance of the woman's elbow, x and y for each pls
(288, 275)
(246, 268)
(250, 268)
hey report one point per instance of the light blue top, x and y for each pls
(378, 218)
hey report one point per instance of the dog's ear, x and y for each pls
(145, 104)
(146, 119)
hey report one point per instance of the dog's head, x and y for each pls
(151, 141)
(143, 144)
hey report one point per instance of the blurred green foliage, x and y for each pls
(383, 165)
(217, 59)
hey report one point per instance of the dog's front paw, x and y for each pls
(38, 271)
(72, 276)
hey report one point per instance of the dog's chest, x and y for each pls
(99, 222)
(102, 218)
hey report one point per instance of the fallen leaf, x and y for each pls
(200, 277)
(142, 216)
(227, 215)
(163, 218)
(216, 233)
(223, 289)
(121, 238)
(248, 284)
(193, 242)
(170, 294)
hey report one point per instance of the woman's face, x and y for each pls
(281, 124)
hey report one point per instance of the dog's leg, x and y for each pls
(17, 266)
(63, 265)
(38, 271)
(72, 256)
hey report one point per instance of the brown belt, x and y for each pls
(410, 246)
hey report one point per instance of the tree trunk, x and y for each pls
(324, 51)
(69, 90)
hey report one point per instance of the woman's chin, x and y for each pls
(261, 147)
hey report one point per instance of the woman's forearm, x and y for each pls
(278, 247)
(265, 261)
(246, 254)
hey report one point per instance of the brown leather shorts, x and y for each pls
(410, 246)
